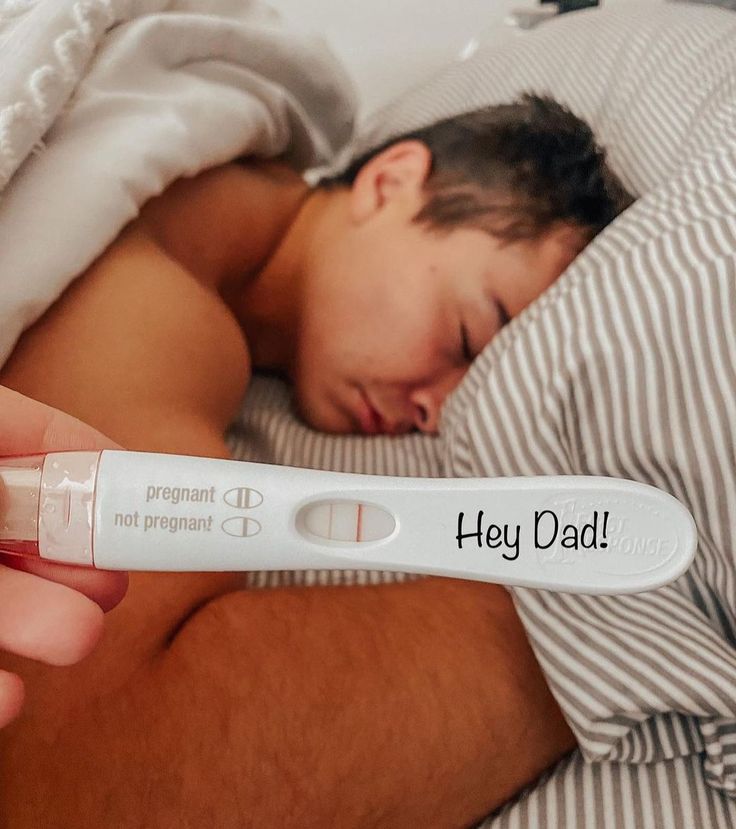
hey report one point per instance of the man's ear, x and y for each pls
(398, 172)
(560, 244)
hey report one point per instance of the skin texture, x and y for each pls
(48, 612)
(418, 704)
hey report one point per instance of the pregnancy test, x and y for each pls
(118, 510)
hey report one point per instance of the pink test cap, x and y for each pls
(47, 506)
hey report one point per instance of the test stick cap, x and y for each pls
(47, 506)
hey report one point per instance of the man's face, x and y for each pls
(393, 313)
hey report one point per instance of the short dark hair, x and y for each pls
(513, 170)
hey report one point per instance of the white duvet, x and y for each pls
(104, 103)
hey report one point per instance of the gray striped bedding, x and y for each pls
(625, 367)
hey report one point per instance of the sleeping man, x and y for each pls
(416, 704)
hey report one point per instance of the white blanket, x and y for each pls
(103, 103)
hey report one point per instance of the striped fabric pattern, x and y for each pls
(625, 367)
(581, 795)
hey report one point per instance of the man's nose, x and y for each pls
(427, 399)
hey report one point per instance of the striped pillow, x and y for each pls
(625, 367)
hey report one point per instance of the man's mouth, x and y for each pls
(371, 421)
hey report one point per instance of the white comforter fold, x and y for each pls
(127, 97)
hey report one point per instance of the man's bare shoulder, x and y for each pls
(196, 209)
(196, 192)
(135, 332)
(221, 219)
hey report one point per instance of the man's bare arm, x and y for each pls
(393, 706)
